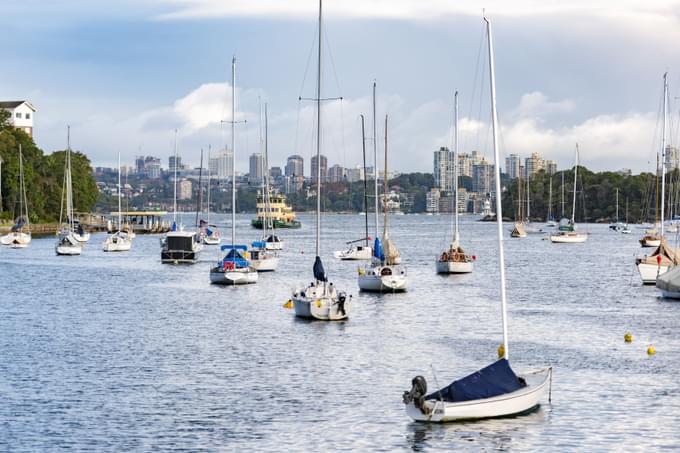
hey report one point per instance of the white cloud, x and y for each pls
(632, 11)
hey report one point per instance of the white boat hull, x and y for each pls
(649, 272)
(16, 240)
(68, 250)
(650, 242)
(571, 238)
(265, 265)
(243, 276)
(117, 242)
(454, 267)
(371, 279)
(321, 302)
(355, 254)
(212, 240)
(517, 402)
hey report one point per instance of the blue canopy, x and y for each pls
(19, 223)
(259, 244)
(234, 256)
(173, 227)
(236, 247)
(377, 250)
(319, 272)
(496, 379)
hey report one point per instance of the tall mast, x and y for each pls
(562, 193)
(120, 215)
(573, 208)
(233, 150)
(375, 161)
(174, 196)
(497, 174)
(385, 186)
(617, 205)
(208, 195)
(455, 167)
(528, 198)
(24, 201)
(69, 200)
(550, 199)
(318, 136)
(265, 177)
(199, 207)
(363, 147)
(663, 148)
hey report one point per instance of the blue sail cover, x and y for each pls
(377, 250)
(319, 272)
(19, 223)
(259, 244)
(234, 256)
(496, 379)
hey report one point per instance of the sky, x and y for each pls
(124, 74)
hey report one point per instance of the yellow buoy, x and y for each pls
(361, 271)
(501, 351)
(628, 337)
(288, 304)
(651, 350)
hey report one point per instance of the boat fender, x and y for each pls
(361, 271)
(658, 260)
(417, 393)
(474, 257)
(318, 303)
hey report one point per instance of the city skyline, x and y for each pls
(126, 76)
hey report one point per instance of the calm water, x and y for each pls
(118, 352)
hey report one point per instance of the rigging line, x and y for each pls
(330, 57)
(477, 66)
(309, 58)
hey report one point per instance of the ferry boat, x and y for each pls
(281, 215)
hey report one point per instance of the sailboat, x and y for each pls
(550, 221)
(493, 391)
(67, 243)
(384, 274)
(261, 258)
(356, 250)
(652, 238)
(518, 230)
(118, 241)
(179, 246)
(210, 235)
(454, 260)
(567, 233)
(233, 268)
(320, 299)
(20, 234)
(616, 226)
(626, 229)
(529, 227)
(652, 266)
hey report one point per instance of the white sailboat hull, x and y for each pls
(650, 242)
(212, 240)
(372, 279)
(16, 239)
(355, 254)
(268, 264)
(517, 402)
(117, 244)
(242, 276)
(649, 272)
(568, 238)
(323, 309)
(454, 267)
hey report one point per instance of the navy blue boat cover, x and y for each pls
(319, 272)
(496, 379)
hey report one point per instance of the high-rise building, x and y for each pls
(550, 167)
(275, 172)
(139, 165)
(355, 174)
(672, 158)
(174, 163)
(221, 165)
(483, 178)
(295, 166)
(466, 162)
(184, 190)
(432, 200)
(336, 173)
(443, 169)
(513, 166)
(256, 168)
(324, 168)
(152, 167)
(533, 164)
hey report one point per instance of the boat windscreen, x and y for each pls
(493, 380)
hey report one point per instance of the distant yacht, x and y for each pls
(20, 234)
(567, 233)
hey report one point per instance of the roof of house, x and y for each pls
(15, 104)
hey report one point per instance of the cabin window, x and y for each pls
(18, 115)
(28, 116)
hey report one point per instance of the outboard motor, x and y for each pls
(342, 297)
(417, 393)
